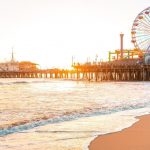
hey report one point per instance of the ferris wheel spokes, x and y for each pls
(141, 30)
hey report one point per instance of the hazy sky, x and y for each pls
(50, 32)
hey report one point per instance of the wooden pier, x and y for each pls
(114, 72)
(92, 72)
(50, 73)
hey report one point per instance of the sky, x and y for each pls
(50, 32)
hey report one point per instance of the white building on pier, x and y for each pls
(11, 65)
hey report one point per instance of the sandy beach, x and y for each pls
(135, 137)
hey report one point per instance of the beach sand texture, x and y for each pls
(136, 137)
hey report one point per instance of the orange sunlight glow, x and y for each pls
(51, 32)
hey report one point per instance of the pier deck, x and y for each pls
(90, 72)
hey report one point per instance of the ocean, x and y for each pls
(48, 114)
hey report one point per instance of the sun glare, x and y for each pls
(51, 32)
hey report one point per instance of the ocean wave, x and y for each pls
(19, 82)
(11, 82)
(67, 116)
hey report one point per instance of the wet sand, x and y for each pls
(136, 137)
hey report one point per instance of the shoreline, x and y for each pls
(135, 137)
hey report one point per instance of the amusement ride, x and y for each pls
(140, 34)
(141, 30)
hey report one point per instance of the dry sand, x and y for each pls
(136, 137)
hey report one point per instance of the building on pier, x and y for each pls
(14, 65)
(11, 65)
(27, 66)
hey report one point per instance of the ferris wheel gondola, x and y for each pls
(141, 31)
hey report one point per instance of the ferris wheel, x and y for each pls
(141, 31)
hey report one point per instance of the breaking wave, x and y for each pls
(68, 116)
